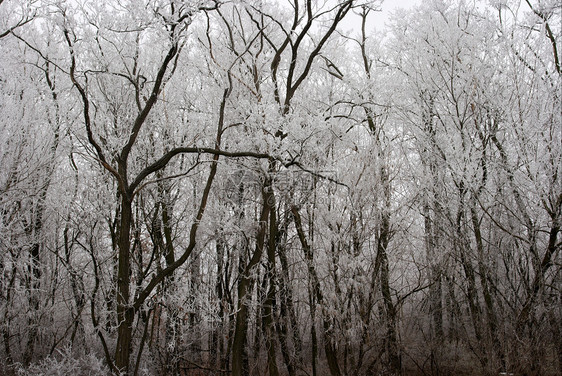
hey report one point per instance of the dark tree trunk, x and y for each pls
(244, 287)
(269, 305)
(329, 345)
(125, 314)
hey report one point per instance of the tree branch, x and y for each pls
(163, 161)
(86, 112)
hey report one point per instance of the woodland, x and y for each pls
(262, 187)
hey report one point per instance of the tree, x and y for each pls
(30, 154)
(115, 159)
(14, 17)
(248, 188)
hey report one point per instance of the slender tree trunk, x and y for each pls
(194, 315)
(432, 241)
(244, 287)
(34, 286)
(216, 342)
(6, 334)
(392, 349)
(269, 306)
(432, 218)
(77, 286)
(488, 300)
(125, 314)
(287, 320)
(435, 287)
(287, 317)
(329, 345)
(313, 336)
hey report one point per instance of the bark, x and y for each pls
(394, 359)
(269, 305)
(287, 317)
(125, 313)
(244, 287)
(432, 244)
(216, 342)
(488, 299)
(470, 274)
(6, 333)
(329, 344)
(545, 264)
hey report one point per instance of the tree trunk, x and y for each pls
(125, 314)
(394, 360)
(244, 286)
(329, 346)
(488, 300)
(269, 305)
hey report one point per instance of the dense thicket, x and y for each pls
(248, 188)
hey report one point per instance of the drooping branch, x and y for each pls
(163, 161)
(158, 278)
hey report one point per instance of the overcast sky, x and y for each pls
(390, 6)
(377, 20)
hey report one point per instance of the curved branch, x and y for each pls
(86, 112)
(139, 121)
(163, 161)
(549, 35)
(20, 23)
(292, 87)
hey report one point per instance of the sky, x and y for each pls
(390, 6)
(377, 20)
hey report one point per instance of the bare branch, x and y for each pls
(86, 113)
